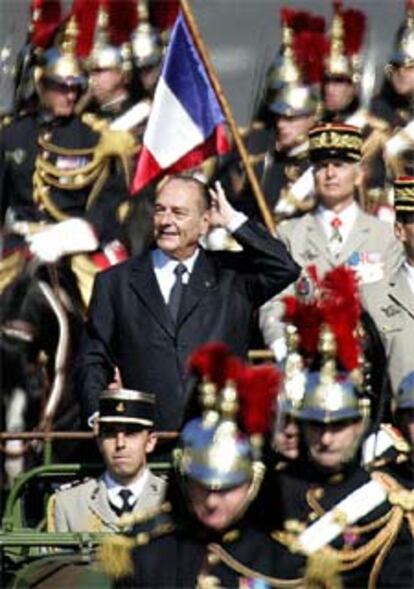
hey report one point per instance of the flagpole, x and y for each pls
(198, 41)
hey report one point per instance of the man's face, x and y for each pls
(335, 181)
(180, 218)
(59, 98)
(149, 77)
(331, 446)
(338, 94)
(107, 83)
(286, 437)
(217, 510)
(402, 80)
(291, 131)
(125, 451)
(405, 233)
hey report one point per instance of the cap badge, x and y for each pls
(120, 407)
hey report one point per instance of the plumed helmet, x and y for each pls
(221, 449)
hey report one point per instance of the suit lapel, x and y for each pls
(202, 280)
(400, 291)
(99, 505)
(144, 283)
(317, 239)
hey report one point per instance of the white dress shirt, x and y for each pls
(164, 268)
(347, 217)
(136, 487)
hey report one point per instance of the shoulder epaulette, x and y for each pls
(73, 484)
(94, 122)
(5, 122)
(398, 440)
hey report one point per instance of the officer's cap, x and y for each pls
(124, 406)
(335, 140)
(404, 194)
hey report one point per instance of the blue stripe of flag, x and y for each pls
(185, 75)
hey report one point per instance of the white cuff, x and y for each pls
(279, 349)
(236, 221)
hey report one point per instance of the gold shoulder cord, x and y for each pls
(10, 267)
(117, 144)
(219, 552)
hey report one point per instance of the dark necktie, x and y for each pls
(126, 506)
(177, 291)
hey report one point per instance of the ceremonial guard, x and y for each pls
(58, 184)
(395, 101)
(344, 95)
(291, 109)
(212, 533)
(110, 65)
(124, 429)
(341, 517)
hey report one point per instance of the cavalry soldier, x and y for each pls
(58, 183)
(394, 103)
(212, 533)
(124, 430)
(335, 512)
(109, 68)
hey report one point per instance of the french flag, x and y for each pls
(186, 124)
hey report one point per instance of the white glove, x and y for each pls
(401, 141)
(67, 237)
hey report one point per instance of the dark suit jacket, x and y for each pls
(129, 324)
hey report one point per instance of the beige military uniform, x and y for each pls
(392, 308)
(371, 249)
(86, 507)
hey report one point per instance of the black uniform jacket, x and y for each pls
(177, 558)
(129, 324)
(19, 148)
(306, 494)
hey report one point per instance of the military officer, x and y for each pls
(392, 306)
(337, 231)
(124, 430)
(213, 532)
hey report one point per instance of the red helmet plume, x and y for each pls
(46, 19)
(257, 389)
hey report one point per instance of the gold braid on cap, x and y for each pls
(335, 139)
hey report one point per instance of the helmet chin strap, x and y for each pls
(258, 472)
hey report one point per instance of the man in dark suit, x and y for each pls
(214, 296)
